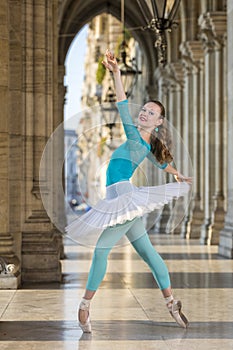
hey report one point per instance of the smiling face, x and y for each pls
(150, 116)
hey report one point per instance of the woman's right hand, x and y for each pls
(111, 63)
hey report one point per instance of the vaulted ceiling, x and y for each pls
(73, 15)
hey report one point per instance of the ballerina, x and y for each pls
(119, 214)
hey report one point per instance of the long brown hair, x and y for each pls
(161, 141)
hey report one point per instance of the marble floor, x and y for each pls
(128, 312)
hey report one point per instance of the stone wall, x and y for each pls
(28, 90)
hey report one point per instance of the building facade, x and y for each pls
(71, 170)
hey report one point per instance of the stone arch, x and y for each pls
(74, 15)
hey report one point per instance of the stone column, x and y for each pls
(40, 247)
(187, 132)
(174, 109)
(59, 101)
(193, 52)
(220, 119)
(226, 234)
(176, 76)
(162, 79)
(213, 29)
(10, 145)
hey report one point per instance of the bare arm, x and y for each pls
(178, 176)
(112, 65)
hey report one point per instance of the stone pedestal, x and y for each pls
(42, 263)
(226, 242)
(10, 277)
(197, 218)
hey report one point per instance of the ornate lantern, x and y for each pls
(163, 13)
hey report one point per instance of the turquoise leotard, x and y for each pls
(126, 158)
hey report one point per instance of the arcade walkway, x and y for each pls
(128, 312)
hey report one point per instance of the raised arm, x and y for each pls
(122, 104)
(112, 65)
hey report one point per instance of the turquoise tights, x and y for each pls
(137, 235)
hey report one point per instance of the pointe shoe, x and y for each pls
(85, 306)
(174, 307)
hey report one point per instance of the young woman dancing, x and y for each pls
(120, 212)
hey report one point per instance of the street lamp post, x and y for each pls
(128, 67)
(109, 111)
(129, 70)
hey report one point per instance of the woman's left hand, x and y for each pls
(181, 178)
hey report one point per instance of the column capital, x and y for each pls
(195, 50)
(160, 73)
(175, 74)
(213, 27)
(190, 56)
(171, 75)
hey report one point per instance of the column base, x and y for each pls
(152, 222)
(41, 257)
(42, 276)
(59, 238)
(10, 281)
(225, 247)
(179, 229)
(206, 232)
(186, 226)
(218, 224)
(161, 225)
(195, 226)
(10, 277)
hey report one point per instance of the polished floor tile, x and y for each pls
(128, 312)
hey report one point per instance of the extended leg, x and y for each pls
(158, 267)
(105, 243)
(147, 252)
(107, 240)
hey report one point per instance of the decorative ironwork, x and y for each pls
(163, 14)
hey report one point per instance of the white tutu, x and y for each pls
(123, 202)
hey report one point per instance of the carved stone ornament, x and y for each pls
(213, 27)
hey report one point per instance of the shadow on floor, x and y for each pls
(111, 330)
